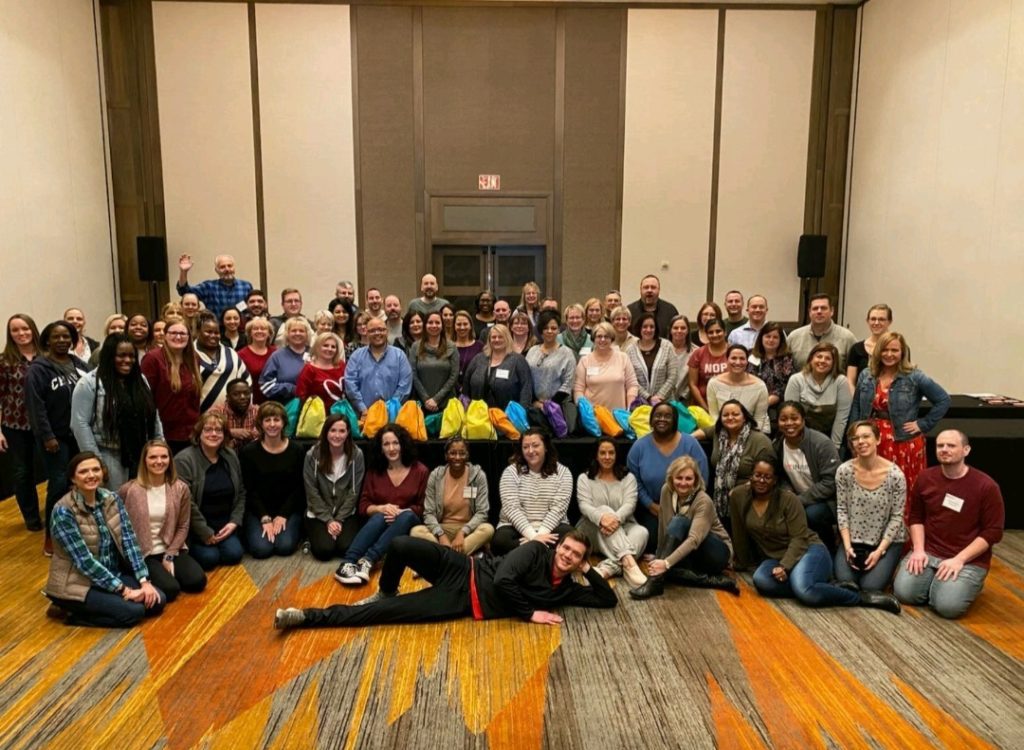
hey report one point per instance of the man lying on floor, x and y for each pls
(526, 583)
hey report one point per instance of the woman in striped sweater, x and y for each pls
(535, 490)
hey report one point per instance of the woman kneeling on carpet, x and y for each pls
(798, 564)
(97, 573)
(391, 502)
(693, 546)
(160, 507)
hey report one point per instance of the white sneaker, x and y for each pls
(347, 573)
(363, 568)
(289, 618)
(634, 576)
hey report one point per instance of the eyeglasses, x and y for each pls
(176, 334)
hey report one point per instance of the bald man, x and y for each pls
(429, 301)
(217, 294)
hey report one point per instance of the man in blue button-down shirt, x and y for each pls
(377, 371)
(217, 294)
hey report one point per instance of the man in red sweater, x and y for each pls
(955, 516)
(527, 583)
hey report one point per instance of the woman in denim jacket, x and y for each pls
(889, 392)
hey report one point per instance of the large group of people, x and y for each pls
(168, 450)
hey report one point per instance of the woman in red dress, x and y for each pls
(889, 392)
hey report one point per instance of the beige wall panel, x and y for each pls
(936, 210)
(766, 99)
(488, 93)
(205, 102)
(593, 48)
(670, 114)
(305, 69)
(55, 234)
(386, 157)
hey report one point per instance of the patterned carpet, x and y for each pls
(692, 669)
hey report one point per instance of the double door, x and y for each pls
(463, 271)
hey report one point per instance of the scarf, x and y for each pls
(574, 341)
(728, 467)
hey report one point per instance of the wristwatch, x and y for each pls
(266, 519)
(168, 558)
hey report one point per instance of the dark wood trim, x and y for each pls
(620, 147)
(257, 147)
(107, 166)
(557, 232)
(424, 261)
(716, 155)
(133, 128)
(357, 165)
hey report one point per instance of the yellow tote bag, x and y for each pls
(376, 417)
(640, 420)
(311, 418)
(704, 420)
(478, 422)
(452, 419)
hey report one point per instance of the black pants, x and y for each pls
(447, 598)
(507, 538)
(323, 545)
(188, 575)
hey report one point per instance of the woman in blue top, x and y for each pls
(649, 458)
(889, 392)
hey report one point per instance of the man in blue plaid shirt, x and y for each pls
(217, 294)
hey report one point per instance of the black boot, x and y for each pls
(655, 586)
(880, 600)
(688, 577)
(848, 585)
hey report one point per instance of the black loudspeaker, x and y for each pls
(151, 253)
(810, 257)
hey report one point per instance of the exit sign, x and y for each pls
(489, 182)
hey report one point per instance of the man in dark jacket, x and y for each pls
(527, 583)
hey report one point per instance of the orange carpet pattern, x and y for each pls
(691, 669)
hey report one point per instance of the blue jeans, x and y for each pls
(209, 556)
(284, 543)
(56, 465)
(710, 557)
(807, 581)
(373, 539)
(949, 599)
(876, 579)
(105, 609)
(22, 447)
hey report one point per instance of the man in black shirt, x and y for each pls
(527, 583)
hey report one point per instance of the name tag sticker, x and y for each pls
(953, 502)
(241, 306)
(469, 493)
(501, 373)
(593, 371)
(585, 350)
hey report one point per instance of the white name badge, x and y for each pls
(953, 502)
(241, 306)
(501, 374)
(585, 350)
(593, 371)
(469, 493)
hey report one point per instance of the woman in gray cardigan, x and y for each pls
(333, 474)
(809, 461)
(456, 505)
(214, 477)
